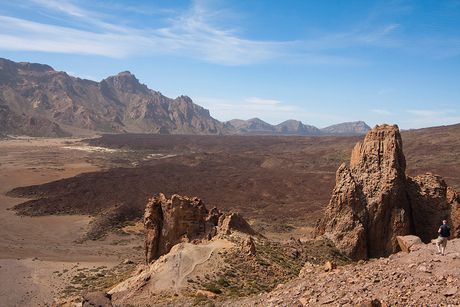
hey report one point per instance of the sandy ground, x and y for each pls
(37, 255)
(171, 272)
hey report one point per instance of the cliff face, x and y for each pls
(180, 219)
(116, 104)
(373, 201)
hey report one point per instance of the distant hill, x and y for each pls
(258, 126)
(359, 127)
(36, 100)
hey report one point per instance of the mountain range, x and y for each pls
(36, 100)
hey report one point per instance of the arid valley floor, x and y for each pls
(280, 184)
(38, 256)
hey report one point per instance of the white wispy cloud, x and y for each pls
(33, 36)
(188, 35)
(382, 112)
(226, 109)
(198, 33)
(427, 118)
(262, 101)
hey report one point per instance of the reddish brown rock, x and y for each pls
(432, 202)
(234, 222)
(206, 294)
(329, 266)
(369, 207)
(410, 243)
(370, 303)
(182, 219)
(248, 246)
(171, 221)
(374, 202)
(96, 299)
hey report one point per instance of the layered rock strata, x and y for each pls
(168, 222)
(374, 201)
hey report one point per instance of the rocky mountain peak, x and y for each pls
(11, 66)
(125, 82)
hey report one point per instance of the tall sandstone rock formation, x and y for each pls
(374, 201)
(168, 222)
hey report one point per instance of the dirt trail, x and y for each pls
(170, 272)
(197, 259)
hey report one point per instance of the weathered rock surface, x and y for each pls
(369, 207)
(248, 246)
(374, 202)
(410, 243)
(432, 201)
(96, 299)
(419, 278)
(234, 222)
(168, 222)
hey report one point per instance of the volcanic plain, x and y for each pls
(70, 207)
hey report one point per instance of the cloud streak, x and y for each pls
(225, 109)
(195, 34)
(262, 101)
(427, 118)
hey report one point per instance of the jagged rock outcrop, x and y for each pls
(374, 202)
(248, 247)
(432, 201)
(234, 222)
(369, 207)
(168, 222)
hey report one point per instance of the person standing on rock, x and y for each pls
(444, 235)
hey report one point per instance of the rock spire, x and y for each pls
(374, 201)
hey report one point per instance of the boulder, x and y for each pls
(206, 294)
(307, 269)
(329, 266)
(370, 303)
(234, 222)
(410, 243)
(96, 299)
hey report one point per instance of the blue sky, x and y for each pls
(320, 62)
